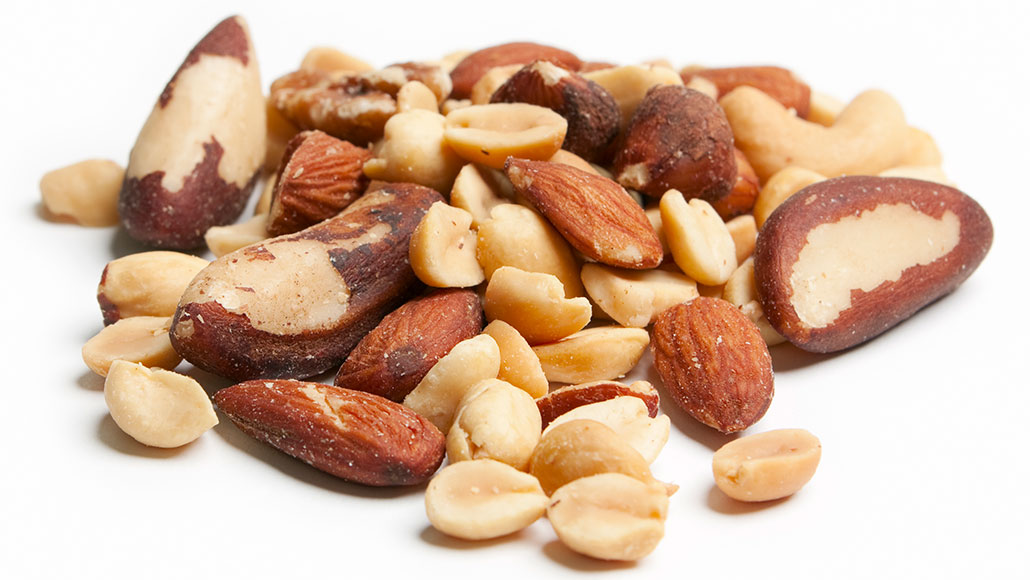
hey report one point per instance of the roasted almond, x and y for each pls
(713, 363)
(777, 82)
(475, 65)
(564, 399)
(593, 213)
(357, 436)
(844, 260)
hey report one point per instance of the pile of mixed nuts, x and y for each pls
(569, 206)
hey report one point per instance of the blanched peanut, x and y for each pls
(85, 193)
(278, 132)
(609, 516)
(700, 243)
(629, 84)
(489, 134)
(594, 354)
(478, 190)
(414, 95)
(654, 215)
(140, 339)
(264, 202)
(222, 240)
(413, 149)
(328, 59)
(704, 86)
(781, 185)
(490, 82)
(157, 407)
(519, 364)
(443, 248)
(636, 297)
(582, 448)
(519, 237)
(824, 109)
(438, 393)
(740, 290)
(451, 105)
(495, 420)
(146, 284)
(534, 304)
(744, 232)
(482, 499)
(629, 418)
(766, 466)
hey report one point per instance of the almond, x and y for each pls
(564, 399)
(319, 176)
(779, 83)
(392, 359)
(359, 437)
(714, 363)
(593, 213)
(475, 65)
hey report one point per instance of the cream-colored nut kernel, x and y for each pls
(781, 185)
(700, 243)
(741, 291)
(571, 159)
(278, 132)
(824, 109)
(766, 466)
(414, 150)
(582, 448)
(491, 133)
(595, 354)
(609, 516)
(922, 149)
(264, 202)
(744, 231)
(925, 172)
(416, 96)
(483, 499)
(156, 407)
(519, 237)
(478, 190)
(628, 84)
(443, 248)
(222, 240)
(491, 81)
(451, 59)
(703, 86)
(438, 393)
(654, 215)
(85, 193)
(519, 364)
(535, 304)
(146, 284)
(328, 59)
(753, 310)
(451, 105)
(495, 420)
(636, 297)
(629, 418)
(140, 339)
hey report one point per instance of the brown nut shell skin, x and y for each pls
(681, 139)
(356, 436)
(785, 234)
(564, 399)
(197, 157)
(392, 359)
(475, 65)
(360, 260)
(777, 82)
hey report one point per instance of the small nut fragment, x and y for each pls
(140, 339)
(700, 243)
(264, 202)
(156, 407)
(534, 304)
(494, 78)
(744, 232)
(629, 418)
(145, 284)
(636, 297)
(414, 149)
(471, 68)
(594, 354)
(609, 516)
(824, 109)
(519, 364)
(741, 291)
(85, 193)
(777, 82)
(415, 96)
(222, 240)
(628, 84)
(329, 59)
(741, 199)
(766, 466)
(781, 185)
(483, 499)
(440, 391)
(495, 420)
(489, 134)
(478, 190)
(519, 237)
(564, 399)
(443, 248)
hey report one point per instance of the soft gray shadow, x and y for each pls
(91, 381)
(559, 553)
(122, 244)
(432, 536)
(686, 424)
(111, 435)
(724, 504)
(786, 357)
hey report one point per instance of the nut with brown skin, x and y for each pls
(846, 259)
(678, 139)
(564, 399)
(741, 199)
(777, 82)
(591, 111)
(319, 176)
(475, 65)
(392, 359)
(357, 436)
(198, 155)
(296, 305)
(145, 284)
(714, 363)
(593, 213)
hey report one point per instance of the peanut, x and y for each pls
(222, 240)
(494, 420)
(146, 284)
(85, 192)
(700, 243)
(519, 364)
(443, 248)
(766, 466)
(636, 297)
(491, 133)
(534, 304)
(594, 354)
(140, 339)
(628, 417)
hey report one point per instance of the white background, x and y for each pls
(924, 430)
